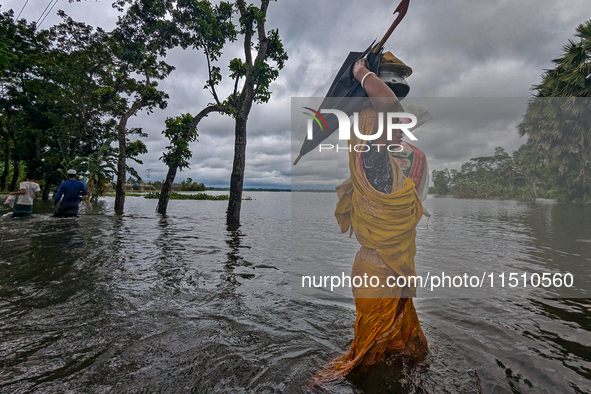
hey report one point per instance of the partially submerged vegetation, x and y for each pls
(554, 162)
(521, 175)
(68, 92)
(198, 196)
(126, 194)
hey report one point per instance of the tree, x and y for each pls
(190, 186)
(189, 23)
(6, 143)
(25, 96)
(441, 181)
(177, 154)
(257, 74)
(557, 118)
(572, 75)
(483, 177)
(208, 28)
(81, 57)
(137, 44)
(529, 162)
(51, 115)
(202, 27)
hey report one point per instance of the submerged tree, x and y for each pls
(82, 58)
(66, 92)
(138, 43)
(208, 28)
(177, 154)
(202, 27)
(27, 97)
(258, 75)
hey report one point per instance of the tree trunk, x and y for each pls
(237, 178)
(244, 104)
(121, 167)
(167, 186)
(165, 192)
(4, 176)
(15, 173)
(89, 189)
(532, 189)
(46, 190)
(121, 172)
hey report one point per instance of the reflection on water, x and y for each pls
(142, 303)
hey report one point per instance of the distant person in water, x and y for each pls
(70, 190)
(29, 192)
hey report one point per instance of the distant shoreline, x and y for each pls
(246, 189)
(222, 189)
(219, 189)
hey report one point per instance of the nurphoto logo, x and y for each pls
(393, 122)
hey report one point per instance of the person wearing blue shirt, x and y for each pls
(70, 190)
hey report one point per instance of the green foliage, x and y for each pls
(6, 57)
(30, 101)
(68, 162)
(203, 26)
(263, 73)
(262, 76)
(570, 77)
(190, 186)
(100, 169)
(565, 187)
(528, 161)
(483, 177)
(470, 188)
(560, 128)
(521, 176)
(237, 68)
(250, 17)
(441, 181)
(558, 123)
(135, 148)
(180, 136)
(275, 50)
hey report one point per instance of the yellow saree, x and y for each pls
(384, 225)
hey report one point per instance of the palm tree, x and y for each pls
(558, 118)
(572, 75)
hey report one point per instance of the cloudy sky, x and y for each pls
(474, 63)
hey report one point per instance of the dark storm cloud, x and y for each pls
(492, 48)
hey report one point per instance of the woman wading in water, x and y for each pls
(382, 208)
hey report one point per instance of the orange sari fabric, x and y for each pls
(385, 226)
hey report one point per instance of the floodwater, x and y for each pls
(141, 304)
